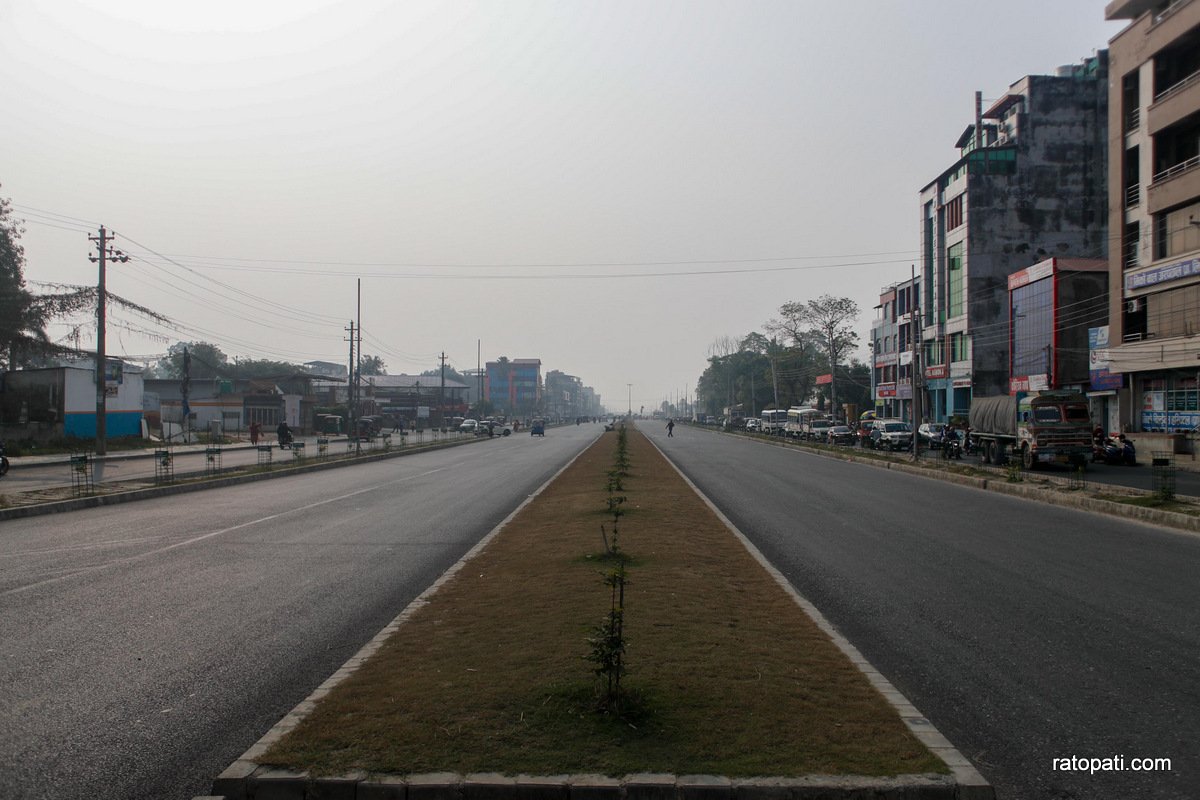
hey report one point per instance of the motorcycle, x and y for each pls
(952, 447)
(1114, 450)
(285, 440)
(3, 461)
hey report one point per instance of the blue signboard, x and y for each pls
(1101, 378)
(1163, 274)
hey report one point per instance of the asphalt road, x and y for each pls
(144, 647)
(1025, 632)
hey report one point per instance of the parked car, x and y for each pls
(840, 434)
(932, 434)
(815, 429)
(754, 424)
(891, 434)
(492, 427)
(469, 426)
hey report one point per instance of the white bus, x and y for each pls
(773, 420)
(798, 418)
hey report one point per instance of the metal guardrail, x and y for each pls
(1180, 168)
(1178, 87)
(1168, 11)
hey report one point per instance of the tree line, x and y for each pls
(779, 368)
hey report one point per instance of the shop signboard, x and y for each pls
(1101, 378)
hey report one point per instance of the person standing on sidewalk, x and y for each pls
(254, 433)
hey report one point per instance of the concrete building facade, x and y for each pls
(1029, 184)
(892, 351)
(514, 387)
(1154, 209)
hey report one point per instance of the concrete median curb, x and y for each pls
(263, 782)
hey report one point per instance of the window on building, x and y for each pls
(954, 213)
(1033, 328)
(954, 271)
(1133, 233)
(959, 347)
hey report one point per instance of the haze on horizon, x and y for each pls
(607, 186)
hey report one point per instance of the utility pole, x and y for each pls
(914, 330)
(358, 372)
(105, 252)
(350, 385)
(442, 392)
(185, 390)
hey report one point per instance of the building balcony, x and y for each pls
(1174, 103)
(1174, 186)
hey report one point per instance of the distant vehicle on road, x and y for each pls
(1038, 428)
(754, 424)
(840, 434)
(538, 428)
(891, 434)
(932, 434)
(816, 429)
(493, 427)
(468, 426)
(773, 420)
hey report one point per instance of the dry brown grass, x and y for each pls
(727, 675)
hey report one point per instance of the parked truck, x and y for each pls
(1035, 427)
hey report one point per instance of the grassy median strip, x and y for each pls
(725, 674)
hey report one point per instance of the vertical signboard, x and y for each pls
(1101, 378)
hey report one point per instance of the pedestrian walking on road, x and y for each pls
(670, 428)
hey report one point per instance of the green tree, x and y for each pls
(372, 365)
(22, 318)
(249, 369)
(207, 361)
(828, 320)
(451, 375)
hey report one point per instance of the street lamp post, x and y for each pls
(630, 385)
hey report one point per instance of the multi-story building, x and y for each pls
(1052, 306)
(1154, 208)
(892, 350)
(514, 387)
(563, 396)
(1029, 184)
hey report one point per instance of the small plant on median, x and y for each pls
(608, 641)
(608, 638)
(1013, 471)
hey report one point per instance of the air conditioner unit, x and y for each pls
(1133, 306)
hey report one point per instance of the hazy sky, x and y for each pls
(607, 186)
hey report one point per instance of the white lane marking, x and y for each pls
(211, 534)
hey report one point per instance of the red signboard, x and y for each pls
(937, 371)
(885, 390)
(822, 380)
